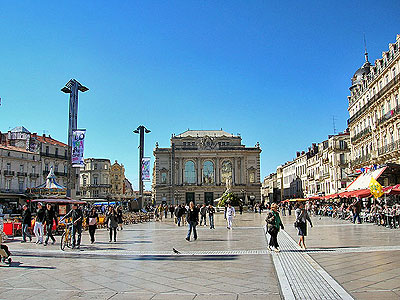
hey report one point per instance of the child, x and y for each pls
(4, 252)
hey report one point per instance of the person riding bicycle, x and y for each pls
(77, 216)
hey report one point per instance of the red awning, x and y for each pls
(392, 190)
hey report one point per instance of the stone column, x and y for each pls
(217, 175)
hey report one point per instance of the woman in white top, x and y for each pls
(230, 213)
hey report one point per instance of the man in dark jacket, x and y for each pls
(49, 216)
(203, 212)
(76, 215)
(357, 205)
(26, 223)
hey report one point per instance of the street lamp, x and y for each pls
(141, 130)
(72, 87)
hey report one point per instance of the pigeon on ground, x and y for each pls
(175, 251)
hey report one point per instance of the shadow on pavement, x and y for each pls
(181, 257)
(17, 264)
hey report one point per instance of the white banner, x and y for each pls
(146, 168)
(78, 138)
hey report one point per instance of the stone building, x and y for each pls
(52, 153)
(198, 165)
(269, 189)
(19, 169)
(322, 170)
(117, 177)
(95, 179)
(374, 110)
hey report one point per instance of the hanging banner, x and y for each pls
(78, 138)
(146, 168)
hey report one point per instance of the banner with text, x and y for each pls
(78, 138)
(146, 168)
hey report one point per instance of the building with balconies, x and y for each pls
(374, 109)
(19, 170)
(117, 177)
(95, 179)
(200, 163)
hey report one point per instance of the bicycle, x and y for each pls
(66, 238)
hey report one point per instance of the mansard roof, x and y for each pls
(20, 129)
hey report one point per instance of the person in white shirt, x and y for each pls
(230, 213)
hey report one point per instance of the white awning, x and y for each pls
(362, 181)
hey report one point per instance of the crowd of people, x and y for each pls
(378, 211)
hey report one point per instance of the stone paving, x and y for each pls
(362, 261)
(142, 265)
(363, 258)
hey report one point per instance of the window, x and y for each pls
(163, 177)
(105, 167)
(190, 172)
(342, 159)
(46, 167)
(8, 167)
(95, 180)
(95, 166)
(65, 153)
(21, 168)
(389, 106)
(65, 169)
(396, 99)
(252, 177)
(84, 180)
(33, 169)
(56, 168)
(56, 151)
(226, 171)
(394, 72)
(342, 145)
(208, 172)
(383, 110)
(21, 185)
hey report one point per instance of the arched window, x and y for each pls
(190, 172)
(208, 172)
(226, 171)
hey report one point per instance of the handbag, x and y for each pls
(273, 230)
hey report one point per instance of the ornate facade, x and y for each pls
(117, 177)
(374, 110)
(95, 179)
(199, 164)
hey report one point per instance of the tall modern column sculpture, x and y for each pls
(141, 130)
(72, 87)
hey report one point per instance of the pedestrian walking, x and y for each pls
(120, 217)
(39, 220)
(26, 223)
(112, 223)
(171, 210)
(203, 214)
(302, 217)
(165, 211)
(356, 206)
(274, 224)
(184, 210)
(77, 218)
(230, 213)
(192, 220)
(283, 209)
(211, 211)
(241, 208)
(49, 218)
(92, 220)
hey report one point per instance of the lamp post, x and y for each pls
(72, 87)
(141, 130)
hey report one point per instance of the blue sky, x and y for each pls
(274, 71)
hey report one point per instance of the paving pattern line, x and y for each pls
(306, 279)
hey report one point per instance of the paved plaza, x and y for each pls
(344, 261)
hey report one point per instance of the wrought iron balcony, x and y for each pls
(378, 95)
(361, 159)
(9, 173)
(362, 133)
(34, 175)
(389, 148)
(22, 174)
